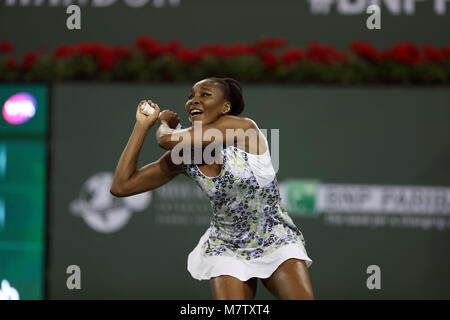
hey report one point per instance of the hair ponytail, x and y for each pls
(232, 91)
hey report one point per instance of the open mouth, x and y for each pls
(195, 113)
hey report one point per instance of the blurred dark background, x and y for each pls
(364, 140)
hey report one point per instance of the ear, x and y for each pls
(226, 108)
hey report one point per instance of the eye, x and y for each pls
(190, 96)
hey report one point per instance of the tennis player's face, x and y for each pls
(205, 102)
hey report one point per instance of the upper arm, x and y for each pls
(226, 129)
(151, 176)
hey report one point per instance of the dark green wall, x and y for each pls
(354, 135)
(216, 21)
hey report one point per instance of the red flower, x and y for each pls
(144, 41)
(173, 46)
(153, 49)
(6, 47)
(433, 54)
(99, 49)
(203, 50)
(150, 46)
(63, 51)
(219, 50)
(11, 63)
(407, 53)
(339, 56)
(107, 57)
(315, 52)
(121, 52)
(83, 48)
(107, 60)
(292, 56)
(271, 43)
(186, 55)
(365, 50)
(324, 54)
(269, 59)
(29, 60)
(446, 51)
(238, 49)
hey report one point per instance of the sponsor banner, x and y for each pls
(389, 221)
(176, 203)
(394, 7)
(102, 211)
(383, 199)
(183, 203)
(309, 197)
(368, 205)
(299, 196)
(93, 3)
(316, 7)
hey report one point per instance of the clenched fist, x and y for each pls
(147, 120)
(170, 117)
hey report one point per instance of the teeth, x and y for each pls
(195, 111)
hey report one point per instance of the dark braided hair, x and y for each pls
(232, 92)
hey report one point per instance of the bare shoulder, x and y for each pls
(251, 138)
(236, 122)
(252, 124)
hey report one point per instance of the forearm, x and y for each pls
(128, 160)
(164, 135)
(227, 129)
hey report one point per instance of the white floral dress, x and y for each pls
(250, 233)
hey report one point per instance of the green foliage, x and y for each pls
(248, 68)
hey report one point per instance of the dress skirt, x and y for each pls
(205, 267)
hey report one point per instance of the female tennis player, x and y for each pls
(251, 235)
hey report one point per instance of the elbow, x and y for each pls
(164, 142)
(116, 192)
(161, 144)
